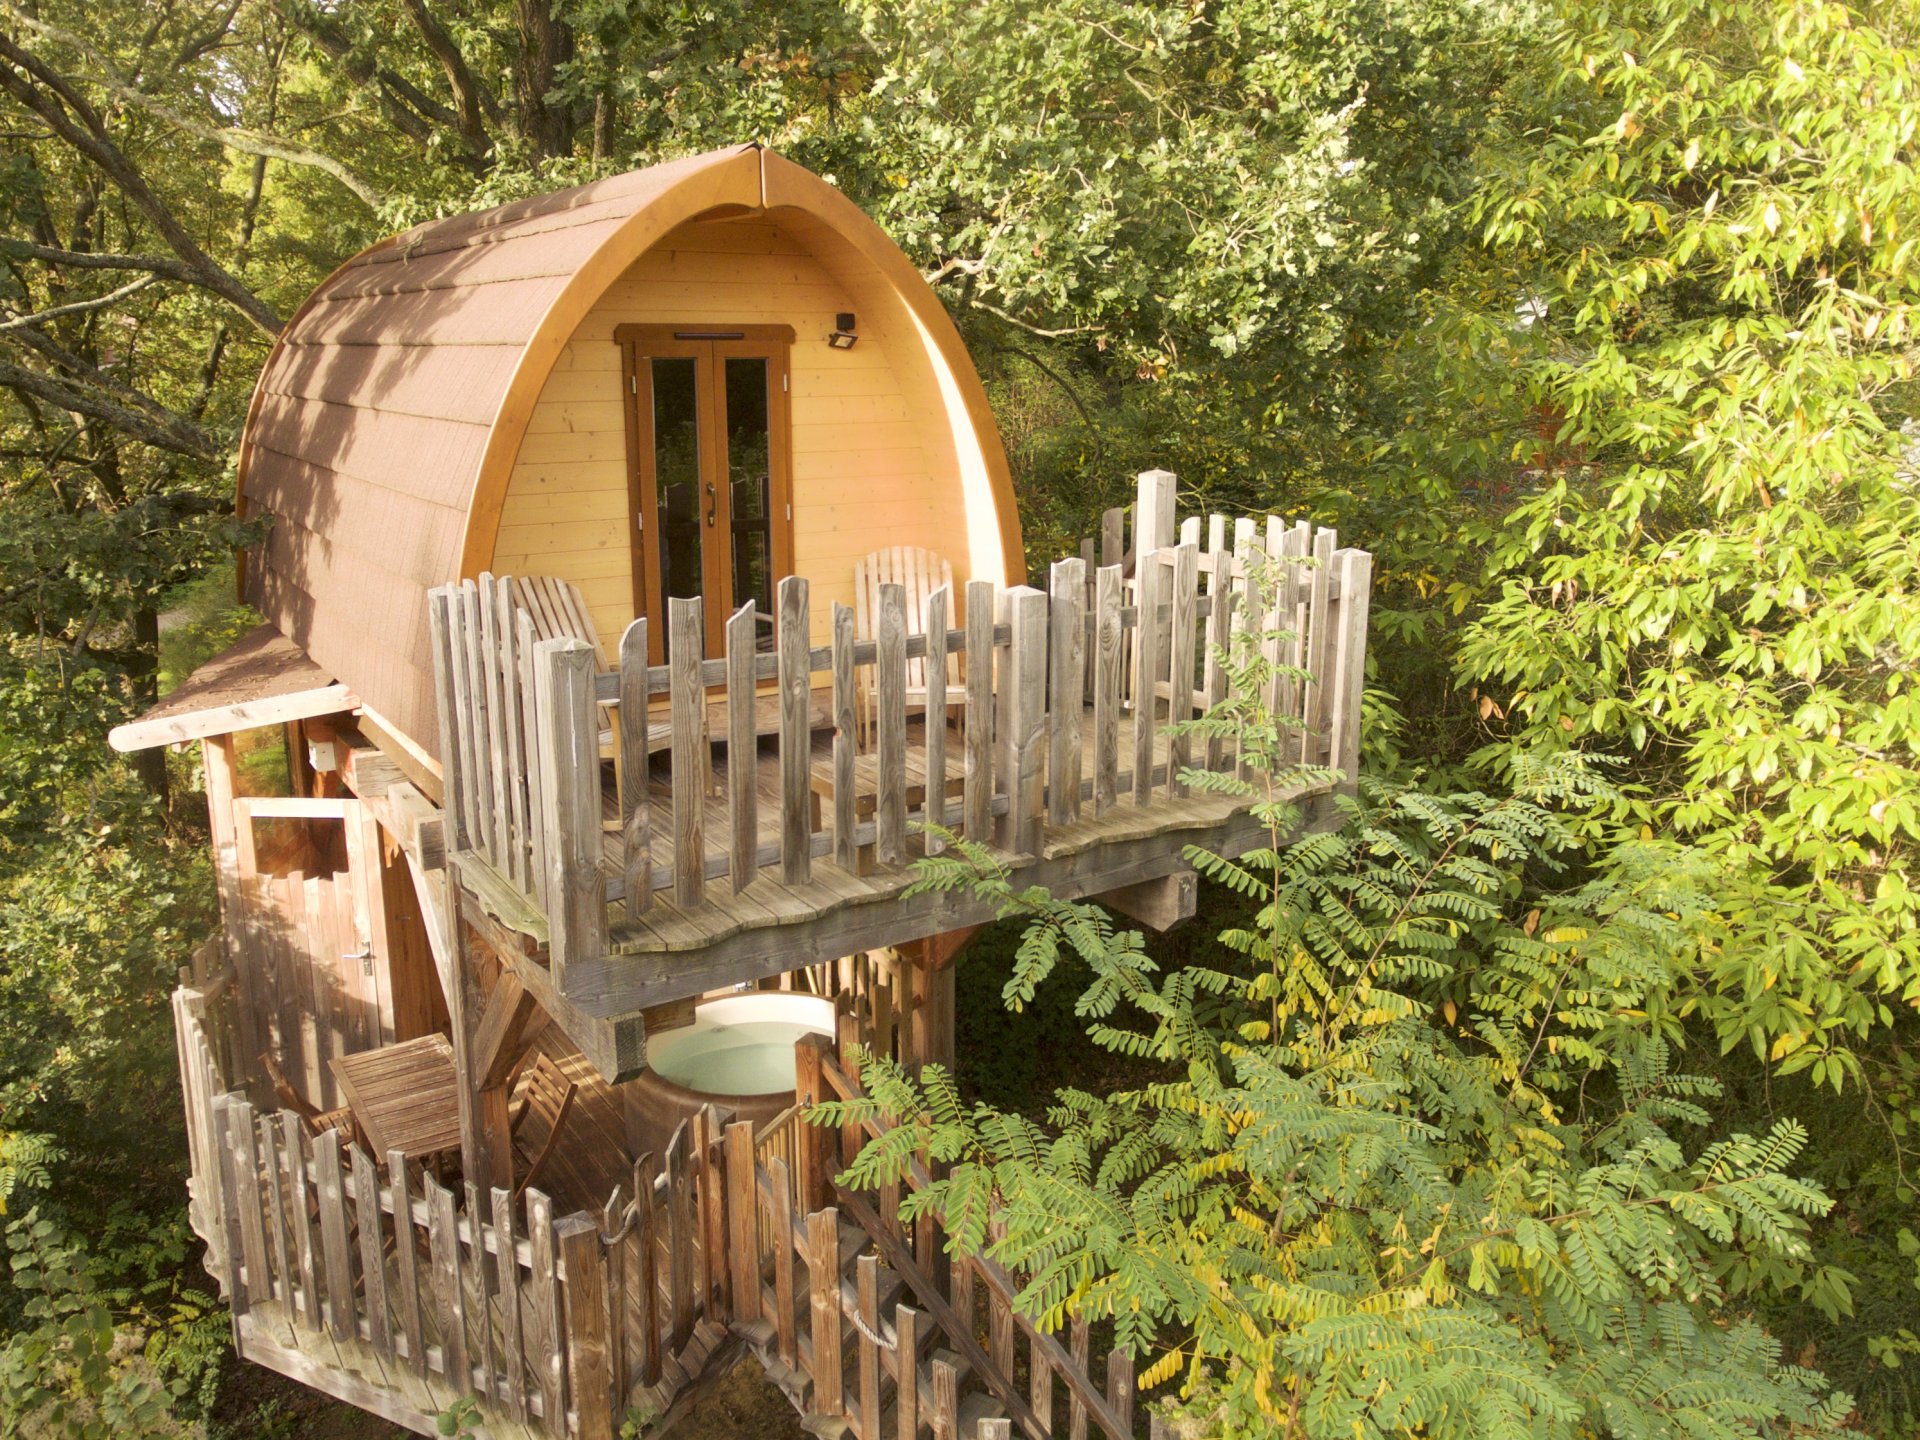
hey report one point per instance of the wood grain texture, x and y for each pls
(1066, 686)
(796, 739)
(890, 723)
(636, 822)
(743, 798)
(691, 754)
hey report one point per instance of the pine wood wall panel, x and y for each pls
(862, 478)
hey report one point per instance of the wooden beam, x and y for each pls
(498, 1039)
(413, 761)
(623, 984)
(225, 719)
(1158, 904)
(615, 1046)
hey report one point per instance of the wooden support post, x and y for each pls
(823, 1273)
(1159, 904)
(570, 792)
(1022, 720)
(589, 1376)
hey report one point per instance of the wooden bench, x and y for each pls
(866, 789)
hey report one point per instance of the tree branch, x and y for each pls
(161, 265)
(233, 137)
(100, 302)
(182, 437)
(75, 122)
(413, 112)
(475, 102)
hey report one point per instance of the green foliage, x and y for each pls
(1410, 1154)
(90, 1359)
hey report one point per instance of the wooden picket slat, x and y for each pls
(293, 1134)
(936, 720)
(589, 1376)
(1314, 703)
(1180, 662)
(543, 1291)
(1078, 1349)
(405, 1270)
(680, 1241)
(335, 1254)
(785, 1333)
(1147, 583)
(646, 1273)
(1023, 719)
(823, 1278)
(449, 1301)
(845, 741)
(1213, 670)
(743, 1221)
(691, 753)
(636, 823)
(373, 1262)
(743, 773)
(977, 742)
(796, 739)
(867, 1302)
(890, 725)
(474, 1283)
(1066, 686)
(906, 1349)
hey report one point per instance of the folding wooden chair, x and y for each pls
(317, 1121)
(539, 1116)
(559, 612)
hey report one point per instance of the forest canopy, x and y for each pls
(1593, 322)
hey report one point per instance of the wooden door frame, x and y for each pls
(710, 344)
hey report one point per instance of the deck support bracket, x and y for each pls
(1162, 904)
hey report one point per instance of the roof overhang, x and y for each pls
(263, 679)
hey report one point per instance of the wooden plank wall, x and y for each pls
(863, 474)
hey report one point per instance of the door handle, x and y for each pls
(712, 504)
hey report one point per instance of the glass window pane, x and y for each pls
(750, 481)
(676, 461)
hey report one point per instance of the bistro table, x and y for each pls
(404, 1097)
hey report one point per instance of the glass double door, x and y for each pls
(709, 440)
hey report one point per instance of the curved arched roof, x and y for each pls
(388, 415)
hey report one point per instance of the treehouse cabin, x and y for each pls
(643, 598)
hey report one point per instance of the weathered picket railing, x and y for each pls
(1065, 696)
(556, 1323)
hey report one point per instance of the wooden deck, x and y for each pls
(1070, 757)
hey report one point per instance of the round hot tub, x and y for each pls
(737, 1054)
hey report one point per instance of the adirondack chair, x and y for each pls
(317, 1121)
(539, 1117)
(922, 572)
(559, 612)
